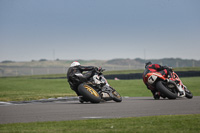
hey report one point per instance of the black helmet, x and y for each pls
(147, 64)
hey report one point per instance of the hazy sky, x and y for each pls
(99, 29)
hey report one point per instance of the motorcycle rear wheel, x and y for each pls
(165, 91)
(89, 93)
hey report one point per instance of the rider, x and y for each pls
(163, 70)
(75, 75)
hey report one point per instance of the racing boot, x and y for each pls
(156, 95)
(82, 100)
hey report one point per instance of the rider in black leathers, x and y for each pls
(76, 77)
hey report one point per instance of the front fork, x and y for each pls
(181, 92)
(107, 92)
(179, 87)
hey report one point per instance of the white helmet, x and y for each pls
(75, 63)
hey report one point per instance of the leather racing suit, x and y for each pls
(75, 76)
(163, 70)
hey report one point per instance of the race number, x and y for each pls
(152, 79)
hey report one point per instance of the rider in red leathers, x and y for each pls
(163, 70)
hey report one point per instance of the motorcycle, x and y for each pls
(171, 88)
(97, 89)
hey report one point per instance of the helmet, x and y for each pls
(75, 63)
(147, 64)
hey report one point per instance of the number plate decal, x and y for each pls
(152, 79)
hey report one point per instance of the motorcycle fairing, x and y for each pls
(152, 77)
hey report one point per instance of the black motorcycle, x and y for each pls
(97, 89)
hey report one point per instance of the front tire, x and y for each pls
(89, 93)
(188, 94)
(165, 91)
(116, 96)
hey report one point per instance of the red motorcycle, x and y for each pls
(167, 87)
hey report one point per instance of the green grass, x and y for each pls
(23, 88)
(187, 69)
(123, 72)
(150, 124)
(33, 88)
(142, 70)
(136, 88)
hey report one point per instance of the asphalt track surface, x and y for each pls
(73, 110)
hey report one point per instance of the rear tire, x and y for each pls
(165, 91)
(89, 93)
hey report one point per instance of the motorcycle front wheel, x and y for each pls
(188, 94)
(116, 96)
(89, 93)
(165, 91)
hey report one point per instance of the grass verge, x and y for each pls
(29, 88)
(164, 124)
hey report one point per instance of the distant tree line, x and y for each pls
(7, 61)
